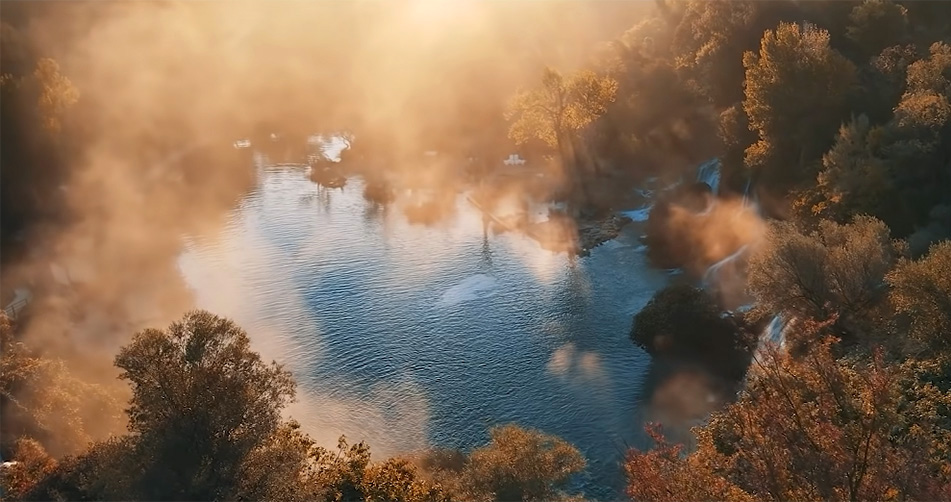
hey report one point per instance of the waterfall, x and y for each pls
(774, 330)
(746, 192)
(710, 276)
(773, 334)
(638, 214)
(709, 173)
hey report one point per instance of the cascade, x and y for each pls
(709, 173)
(773, 334)
(746, 193)
(710, 276)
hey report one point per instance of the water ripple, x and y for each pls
(408, 336)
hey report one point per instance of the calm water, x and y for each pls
(410, 336)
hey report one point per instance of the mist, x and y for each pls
(167, 87)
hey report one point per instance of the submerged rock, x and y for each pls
(592, 236)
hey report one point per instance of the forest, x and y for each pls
(833, 116)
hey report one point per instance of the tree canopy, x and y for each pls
(795, 96)
(805, 428)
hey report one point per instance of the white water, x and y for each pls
(709, 173)
(638, 214)
(712, 273)
(773, 335)
(410, 336)
(472, 288)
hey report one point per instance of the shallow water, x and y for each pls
(410, 336)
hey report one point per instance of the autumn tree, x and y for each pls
(839, 269)
(201, 402)
(882, 82)
(35, 105)
(663, 474)
(282, 468)
(107, 470)
(795, 96)
(658, 116)
(42, 399)
(557, 110)
(918, 141)
(347, 473)
(521, 464)
(31, 464)
(808, 428)
(710, 37)
(921, 294)
(205, 425)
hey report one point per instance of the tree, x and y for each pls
(711, 36)
(43, 399)
(32, 464)
(855, 179)
(201, 402)
(56, 93)
(682, 321)
(917, 141)
(882, 82)
(795, 92)
(205, 423)
(921, 293)
(348, 474)
(281, 468)
(923, 116)
(835, 270)
(877, 24)
(662, 474)
(556, 111)
(35, 103)
(808, 428)
(108, 470)
(521, 464)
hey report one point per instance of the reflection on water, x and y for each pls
(407, 335)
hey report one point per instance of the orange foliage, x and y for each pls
(806, 428)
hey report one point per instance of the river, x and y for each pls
(411, 336)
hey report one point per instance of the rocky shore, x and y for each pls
(576, 237)
(595, 233)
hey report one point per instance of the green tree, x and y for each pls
(837, 270)
(682, 321)
(796, 89)
(877, 24)
(201, 402)
(921, 293)
(855, 179)
(917, 141)
(521, 464)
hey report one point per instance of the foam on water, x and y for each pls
(709, 173)
(411, 336)
(638, 214)
(471, 288)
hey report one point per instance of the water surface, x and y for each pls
(410, 336)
